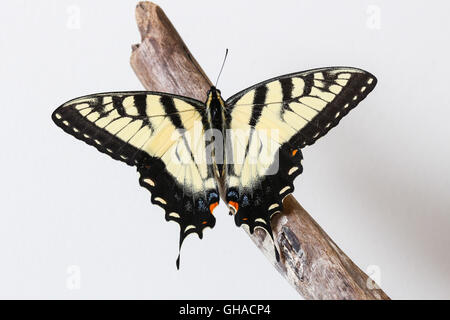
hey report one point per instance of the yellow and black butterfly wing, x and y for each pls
(262, 163)
(154, 132)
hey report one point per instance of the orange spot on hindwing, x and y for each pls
(294, 152)
(212, 206)
(235, 205)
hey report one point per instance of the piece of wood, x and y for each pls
(310, 261)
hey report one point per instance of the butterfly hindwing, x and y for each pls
(154, 132)
(302, 107)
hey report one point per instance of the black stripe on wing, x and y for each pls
(171, 110)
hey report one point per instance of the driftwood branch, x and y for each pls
(310, 261)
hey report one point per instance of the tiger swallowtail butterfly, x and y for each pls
(249, 146)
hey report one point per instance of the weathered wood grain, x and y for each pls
(310, 261)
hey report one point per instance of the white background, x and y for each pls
(378, 184)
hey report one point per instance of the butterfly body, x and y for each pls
(249, 147)
(215, 107)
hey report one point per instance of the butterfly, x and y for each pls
(246, 150)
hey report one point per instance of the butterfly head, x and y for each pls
(214, 97)
(213, 91)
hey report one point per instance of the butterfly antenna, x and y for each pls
(223, 63)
